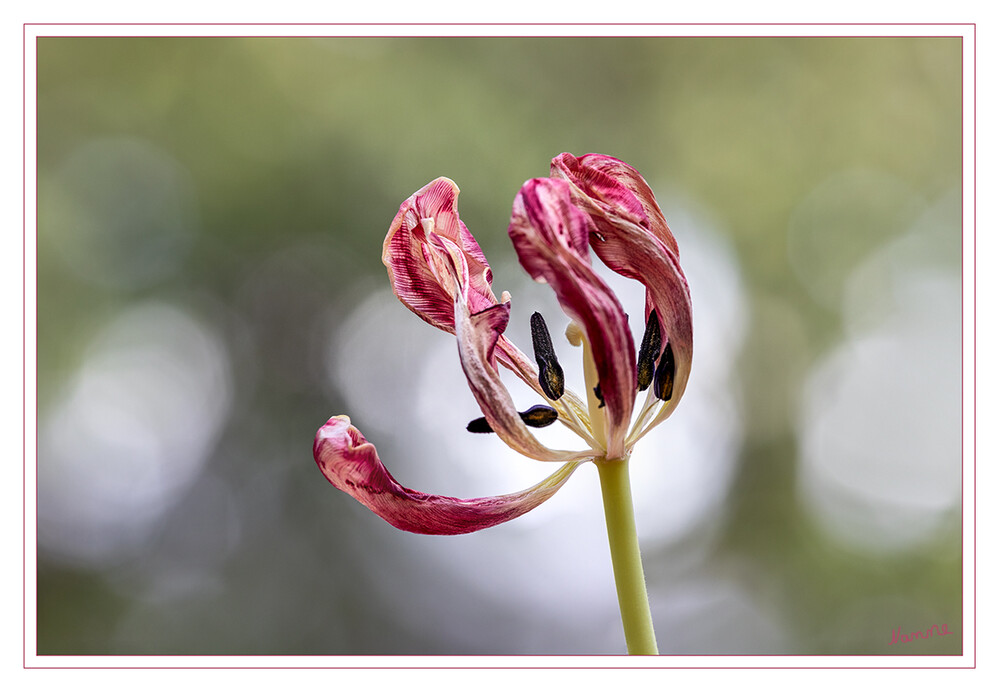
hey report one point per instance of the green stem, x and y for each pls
(632, 595)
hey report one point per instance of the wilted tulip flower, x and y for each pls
(438, 271)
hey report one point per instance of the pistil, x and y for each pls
(598, 421)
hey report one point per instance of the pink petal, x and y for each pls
(634, 240)
(352, 465)
(551, 237)
(608, 188)
(417, 267)
(478, 336)
(637, 254)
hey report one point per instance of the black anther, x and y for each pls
(599, 395)
(479, 425)
(539, 416)
(550, 375)
(535, 417)
(665, 372)
(648, 352)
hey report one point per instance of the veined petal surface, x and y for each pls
(352, 465)
(551, 237)
(609, 189)
(636, 254)
(416, 265)
(478, 335)
(634, 240)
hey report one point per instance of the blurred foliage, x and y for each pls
(286, 159)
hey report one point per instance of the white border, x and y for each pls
(526, 29)
(966, 31)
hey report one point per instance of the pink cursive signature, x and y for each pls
(898, 638)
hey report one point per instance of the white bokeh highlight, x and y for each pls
(132, 431)
(881, 450)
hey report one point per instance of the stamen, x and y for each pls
(648, 352)
(479, 425)
(665, 372)
(599, 395)
(550, 375)
(539, 416)
(535, 417)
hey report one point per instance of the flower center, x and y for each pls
(655, 373)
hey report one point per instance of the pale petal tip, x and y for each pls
(334, 423)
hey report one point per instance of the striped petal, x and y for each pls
(352, 465)
(634, 240)
(478, 335)
(418, 269)
(636, 254)
(551, 238)
(610, 190)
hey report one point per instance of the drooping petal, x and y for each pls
(634, 240)
(418, 269)
(551, 237)
(636, 254)
(478, 335)
(352, 465)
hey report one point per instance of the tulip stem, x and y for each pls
(626, 558)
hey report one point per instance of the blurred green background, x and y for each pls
(210, 291)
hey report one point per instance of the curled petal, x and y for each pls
(352, 465)
(610, 190)
(633, 253)
(478, 335)
(634, 240)
(416, 265)
(551, 237)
